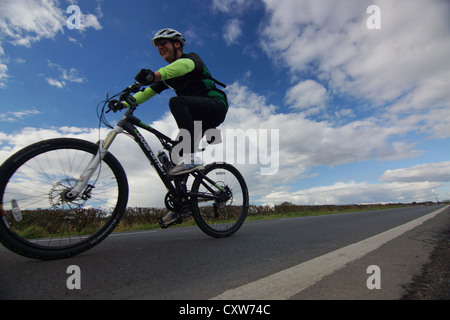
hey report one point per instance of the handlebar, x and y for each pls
(125, 95)
(133, 88)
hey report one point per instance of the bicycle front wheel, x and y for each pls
(39, 219)
(219, 200)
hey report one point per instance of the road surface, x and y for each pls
(323, 257)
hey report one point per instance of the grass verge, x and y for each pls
(283, 211)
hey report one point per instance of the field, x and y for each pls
(146, 218)
(49, 223)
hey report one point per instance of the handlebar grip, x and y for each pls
(131, 100)
(133, 88)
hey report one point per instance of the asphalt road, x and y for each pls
(184, 263)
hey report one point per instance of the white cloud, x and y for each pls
(307, 95)
(70, 75)
(401, 70)
(231, 6)
(436, 172)
(145, 186)
(3, 73)
(19, 60)
(90, 21)
(81, 21)
(351, 192)
(303, 144)
(12, 116)
(55, 83)
(232, 31)
(75, 41)
(23, 22)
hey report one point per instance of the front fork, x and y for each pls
(84, 178)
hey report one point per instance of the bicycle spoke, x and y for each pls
(38, 210)
(221, 198)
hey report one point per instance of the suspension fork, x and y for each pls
(84, 178)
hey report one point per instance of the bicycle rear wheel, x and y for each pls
(221, 202)
(39, 219)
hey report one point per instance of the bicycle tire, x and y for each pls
(221, 217)
(37, 220)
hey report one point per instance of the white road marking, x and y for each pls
(286, 283)
(118, 234)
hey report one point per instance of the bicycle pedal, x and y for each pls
(165, 226)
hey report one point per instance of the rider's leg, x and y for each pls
(187, 109)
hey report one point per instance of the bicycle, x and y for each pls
(61, 197)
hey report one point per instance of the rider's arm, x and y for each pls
(177, 68)
(142, 96)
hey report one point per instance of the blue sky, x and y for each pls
(362, 114)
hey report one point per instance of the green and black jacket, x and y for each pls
(187, 76)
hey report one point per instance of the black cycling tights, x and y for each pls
(188, 109)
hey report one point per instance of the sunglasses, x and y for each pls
(161, 42)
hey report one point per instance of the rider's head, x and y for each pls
(170, 44)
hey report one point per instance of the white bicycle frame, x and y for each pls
(94, 163)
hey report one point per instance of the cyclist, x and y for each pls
(198, 98)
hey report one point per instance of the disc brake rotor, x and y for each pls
(58, 195)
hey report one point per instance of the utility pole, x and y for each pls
(437, 201)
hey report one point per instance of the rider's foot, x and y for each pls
(187, 164)
(169, 219)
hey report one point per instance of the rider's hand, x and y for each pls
(115, 105)
(145, 77)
